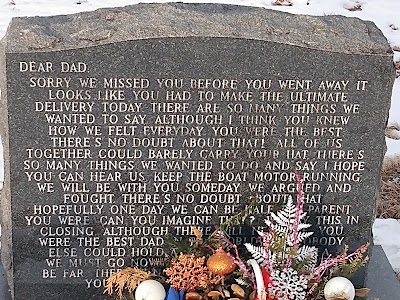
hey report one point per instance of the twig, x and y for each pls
(238, 261)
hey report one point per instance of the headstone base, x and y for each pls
(381, 278)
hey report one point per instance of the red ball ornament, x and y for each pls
(221, 263)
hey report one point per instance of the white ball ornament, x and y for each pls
(150, 290)
(339, 287)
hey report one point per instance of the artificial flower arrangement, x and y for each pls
(280, 267)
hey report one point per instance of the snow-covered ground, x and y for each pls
(385, 13)
(387, 234)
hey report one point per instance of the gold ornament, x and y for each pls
(221, 263)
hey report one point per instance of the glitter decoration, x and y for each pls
(187, 273)
(287, 285)
(221, 263)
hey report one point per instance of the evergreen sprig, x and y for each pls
(346, 268)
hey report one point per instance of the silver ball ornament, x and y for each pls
(339, 288)
(150, 290)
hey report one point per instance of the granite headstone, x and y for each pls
(123, 125)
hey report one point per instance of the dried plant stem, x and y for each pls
(238, 261)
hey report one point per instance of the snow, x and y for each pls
(383, 13)
(386, 234)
